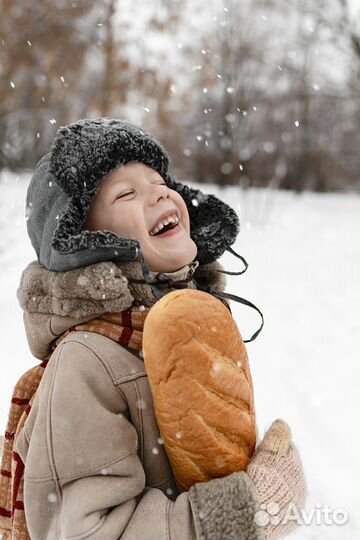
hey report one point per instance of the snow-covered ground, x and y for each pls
(304, 267)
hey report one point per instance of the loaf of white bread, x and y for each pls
(198, 370)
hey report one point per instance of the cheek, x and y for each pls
(135, 226)
(180, 203)
(123, 220)
(186, 218)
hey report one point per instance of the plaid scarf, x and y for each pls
(126, 328)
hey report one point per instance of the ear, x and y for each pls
(214, 224)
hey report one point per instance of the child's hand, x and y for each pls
(278, 476)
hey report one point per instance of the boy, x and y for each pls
(95, 466)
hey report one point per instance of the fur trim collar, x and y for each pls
(100, 287)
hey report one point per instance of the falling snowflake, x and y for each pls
(226, 167)
(216, 368)
(82, 281)
(160, 440)
(297, 123)
(269, 147)
(141, 404)
(155, 450)
(52, 497)
(169, 491)
(28, 211)
(220, 462)
(230, 118)
(12, 84)
(178, 434)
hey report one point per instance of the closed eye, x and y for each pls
(123, 195)
(129, 192)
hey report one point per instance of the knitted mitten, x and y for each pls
(278, 476)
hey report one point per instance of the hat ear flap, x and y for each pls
(214, 224)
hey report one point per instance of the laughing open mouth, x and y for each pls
(165, 229)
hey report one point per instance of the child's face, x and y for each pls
(129, 201)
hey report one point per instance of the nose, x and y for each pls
(157, 192)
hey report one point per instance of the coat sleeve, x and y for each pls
(101, 478)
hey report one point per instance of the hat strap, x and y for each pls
(162, 279)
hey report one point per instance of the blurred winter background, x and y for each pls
(257, 101)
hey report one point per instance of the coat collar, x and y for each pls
(54, 301)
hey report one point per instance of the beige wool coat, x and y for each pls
(95, 468)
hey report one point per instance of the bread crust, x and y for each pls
(199, 374)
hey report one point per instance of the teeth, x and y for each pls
(170, 219)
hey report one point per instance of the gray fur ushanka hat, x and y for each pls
(66, 180)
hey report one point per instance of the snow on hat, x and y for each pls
(66, 179)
